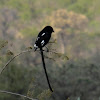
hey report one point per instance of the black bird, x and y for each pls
(42, 39)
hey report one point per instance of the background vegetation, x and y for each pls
(76, 24)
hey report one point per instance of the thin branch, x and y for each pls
(12, 60)
(49, 58)
(16, 94)
(58, 53)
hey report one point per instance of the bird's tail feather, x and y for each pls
(45, 69)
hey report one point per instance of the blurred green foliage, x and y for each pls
(76, 24)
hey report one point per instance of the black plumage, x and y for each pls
(43, 37)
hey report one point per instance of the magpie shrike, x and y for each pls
(42, 39)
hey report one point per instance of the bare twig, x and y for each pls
(12, 60)
(7, 92)
(49, 58)
(58, 53)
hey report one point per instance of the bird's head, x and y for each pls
(49, 29)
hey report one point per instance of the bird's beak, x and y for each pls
(53, 30)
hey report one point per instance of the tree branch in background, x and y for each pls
(16, 94)
(13, 59)
(60, 55)
(28, 50)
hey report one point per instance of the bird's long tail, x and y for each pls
(45, 69)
